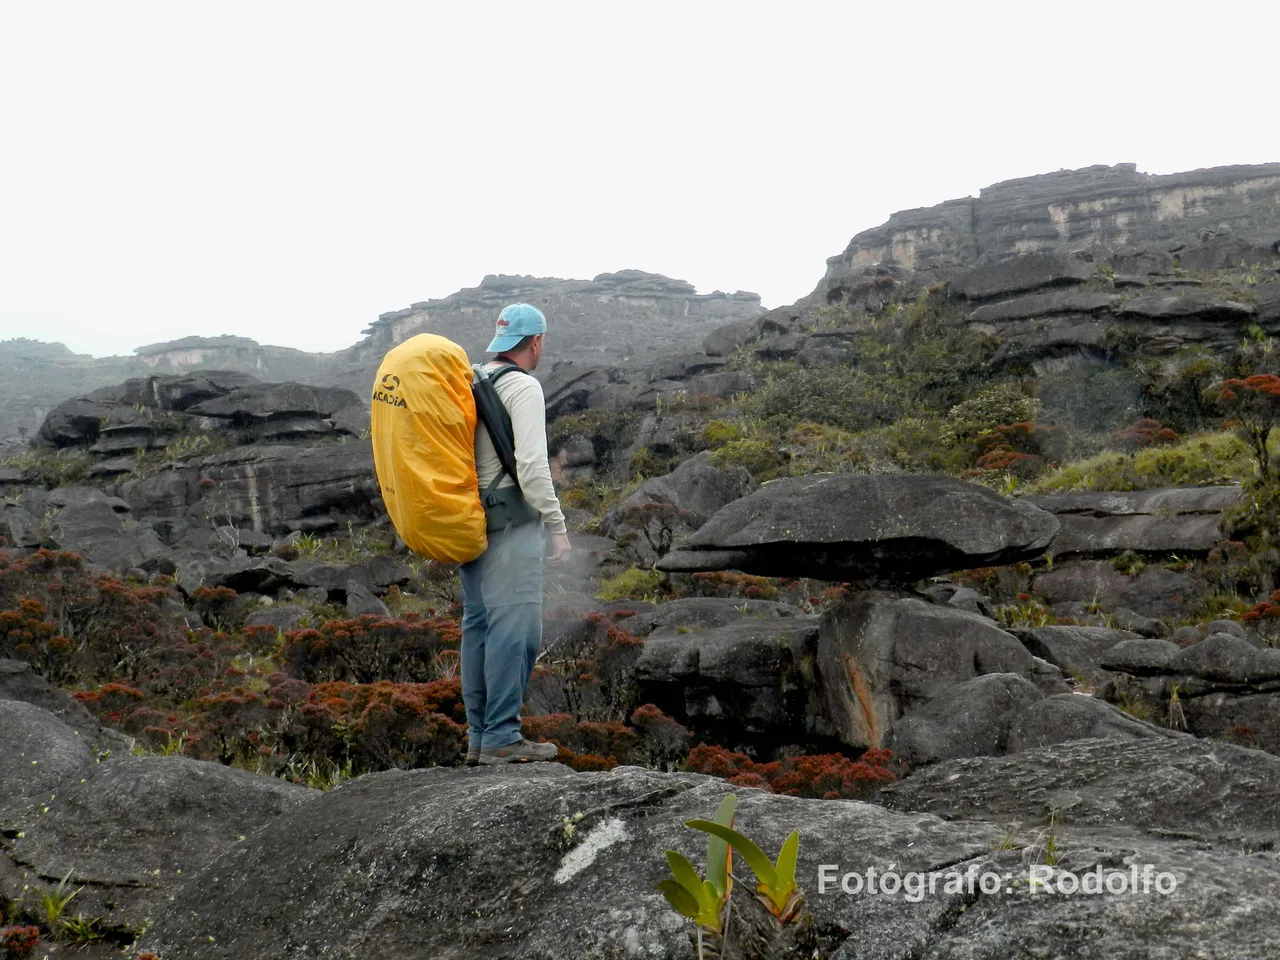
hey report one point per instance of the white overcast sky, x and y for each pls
(288, 171)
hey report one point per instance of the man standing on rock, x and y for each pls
(502, 588)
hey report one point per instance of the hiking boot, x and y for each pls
(521, 750)
(473, 753)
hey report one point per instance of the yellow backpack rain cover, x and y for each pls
(423, 427)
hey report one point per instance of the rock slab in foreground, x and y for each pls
(1184, 786)
(475, 864)
(865, 529)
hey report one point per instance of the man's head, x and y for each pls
(519, 334)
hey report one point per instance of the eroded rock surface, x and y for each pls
(865, 528)
(345, 875)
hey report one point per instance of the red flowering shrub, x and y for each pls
(1143, 433)
(610, 739)
(372, 648)
(71, 624)
(216, 605)
(384, 724)
(1016, 448)
(1253, 405)
(584, 763)
(827, 776)
(729, 584)
(590, 673)
(19, 941)
(663, 742)
(658, 523)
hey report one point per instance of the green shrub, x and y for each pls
(992, 406)
(719, 432)
(756, 455)
(631, 584)
(1202, 459)
(845, 397)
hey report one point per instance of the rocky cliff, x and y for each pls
(617, 316)
(1223, 211)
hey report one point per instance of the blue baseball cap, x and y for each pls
(515, 322)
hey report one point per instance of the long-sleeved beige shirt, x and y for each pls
(521, 394)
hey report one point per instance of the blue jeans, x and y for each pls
(501, 632)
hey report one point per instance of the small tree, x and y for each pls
(1253, 403)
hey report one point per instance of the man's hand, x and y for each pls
(559, 548)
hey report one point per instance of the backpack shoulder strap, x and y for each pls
(497, 420)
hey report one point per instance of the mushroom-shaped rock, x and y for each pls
(865, 529)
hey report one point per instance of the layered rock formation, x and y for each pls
(628, 315)
(1206, 218)
(39, 376)
(866, 529)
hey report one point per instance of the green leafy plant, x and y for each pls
(82, 929)
(1048, 843)
(776, 888)
(775, 923)
(705, 902)
(53, 902)
(632, 583)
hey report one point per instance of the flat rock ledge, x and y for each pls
(865, 529)
(479, 864)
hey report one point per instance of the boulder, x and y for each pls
(1163, 594)
(1020, 274)
(244, 575)
(94, 529)
(1227, 659)
(1173, 520)
(588, 554)
(865, 528)
(127, 438)
(965, 598)
(969, 719)
(1042, 305)
(684, 366)
(269, 488)
(1069, 716)
(1076, 651)
(1089, 581)
(39, 754)
(1225, 626)
(19, 527)
(724, 383)
(343, 876)
(664, 508)
(115, 467)
(1161, 305)
(352, 420)
(331, 577)
(184, 391)
(748, 681)
(1127, 619)
(361, 601)
(728, 338)
(134, 829)
(77, 422)
(881, 656)
(18, 681)
(1249, 719)
(282, 616)
(569, 386)
(1159, 786)
(1141, 657)
(273, 401)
